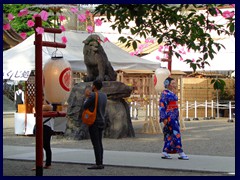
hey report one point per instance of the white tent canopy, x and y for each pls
(224, 60)
(22, 56)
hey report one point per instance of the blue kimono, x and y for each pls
(168, 110)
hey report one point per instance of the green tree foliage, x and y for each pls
(19, 24)
(182, 24)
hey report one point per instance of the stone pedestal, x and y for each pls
(118, 120)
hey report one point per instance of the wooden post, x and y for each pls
(38, 105)
(39, 89)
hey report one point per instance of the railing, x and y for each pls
(138, 111)
(228, 105)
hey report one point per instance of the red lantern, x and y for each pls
(57, 80)
(160, 75)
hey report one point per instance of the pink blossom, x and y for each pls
(23, 12)
(217, 11)
(139, 51)
(74, 10)
(6, 26)
(99, 40)
(23, 35)
(10, 17)
(62, 28)
(132, 53)
(149, 41)
(87, 12)
(232, 5)
(166, 48)
(30, 23)
(35, 15)
(141, 46)
(160, 48)
(182, 51)
(98, 22)
(106, 40)
(40, 30)
(44, 15)
(181, 58)
(228, 14)
(62, 18)
(89, 29)
(64, 39)
(193, 60)
(157, 58)
(82, 17)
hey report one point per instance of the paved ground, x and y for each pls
(206, 141)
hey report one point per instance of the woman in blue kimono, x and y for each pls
(169, 116)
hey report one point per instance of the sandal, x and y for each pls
(183, 158)
(166, 156)
(47, 167)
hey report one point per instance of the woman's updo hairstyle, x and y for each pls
(167, 82)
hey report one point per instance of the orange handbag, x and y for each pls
(89, 117)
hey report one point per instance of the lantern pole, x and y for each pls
(39, 89)
(38, 103)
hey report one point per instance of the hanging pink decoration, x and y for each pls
(89, 29)
(40, 30)
(87, 12)
(30, 23)
(62, 18)
(98, 22)
(132, 53)
(160, 48)
(217, 12)
(6, 27)
(10, 17)
(23, 35)
(82, 17)
(57, 80)
(149, 41)
(228, 14)
(23, 12)
(74, 10)
(106, 40)
(44, 15)
(64, 39)
(62, 28)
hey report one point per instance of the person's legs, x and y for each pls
(96, 139)
(47, 133)
(16, 106)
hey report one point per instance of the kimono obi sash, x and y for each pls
(172, 105)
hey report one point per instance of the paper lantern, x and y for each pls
(160, 75)
(57, 80)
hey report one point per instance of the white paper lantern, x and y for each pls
(160, 75)
(57, 80)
